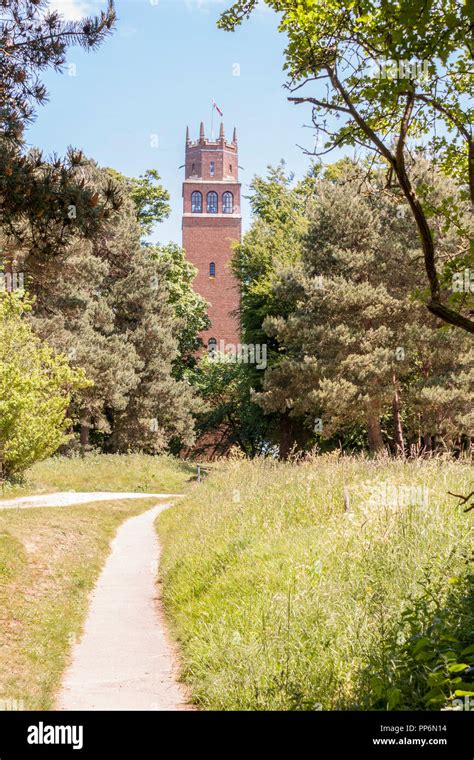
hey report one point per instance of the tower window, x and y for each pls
(212, 269)
(230, 167)
(227, 203)
(212, 169)
(196, 202)
(193, 168)
(212, 203)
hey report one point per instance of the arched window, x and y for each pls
(196, 202)
(212, 203)
(227, 203)
(212, 269)
(212, 347)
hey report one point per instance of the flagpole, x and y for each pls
(212, 121)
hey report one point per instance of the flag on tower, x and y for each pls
(214, 105)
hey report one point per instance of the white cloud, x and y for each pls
(73, 10)
(262, 7)
(205, 5)
(209, 5)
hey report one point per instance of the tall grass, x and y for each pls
(282, 599)
(106, 472)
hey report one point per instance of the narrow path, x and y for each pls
(124, 660)
(71, 498)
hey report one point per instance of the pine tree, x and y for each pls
(160, 407)
(280, 207)
(43, 203)
(349, 349)
(33, 39)
(127, 314)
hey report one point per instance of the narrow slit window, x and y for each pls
(212, 169)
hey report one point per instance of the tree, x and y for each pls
(75, 230)
(280, 219)
(160, 407)
(365, 59)
(151, 200)
(127, 314)
(43, 203)
(228, 416)
(438, 397)
(151, 203)
(356, 349)
(74, 313)
(36, 387)
(33, 39)
(190, 309)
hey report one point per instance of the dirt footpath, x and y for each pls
(124, 660)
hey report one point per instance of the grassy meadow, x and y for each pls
(337, 583)
(50, 560)
(332, 583)
(105, 472)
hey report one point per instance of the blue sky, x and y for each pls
(159, 72)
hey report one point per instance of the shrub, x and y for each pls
(430, 655)
(35, 391)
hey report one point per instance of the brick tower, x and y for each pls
(211, 223)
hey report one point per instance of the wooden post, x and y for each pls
(199, 473)
(347, 501)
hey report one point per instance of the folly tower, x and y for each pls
(211, 223)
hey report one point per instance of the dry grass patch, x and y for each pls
(50, 560)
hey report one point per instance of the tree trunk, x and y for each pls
(397, 419)
(85, 430)
(427, 445)
(376, 444)
(286, 436)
